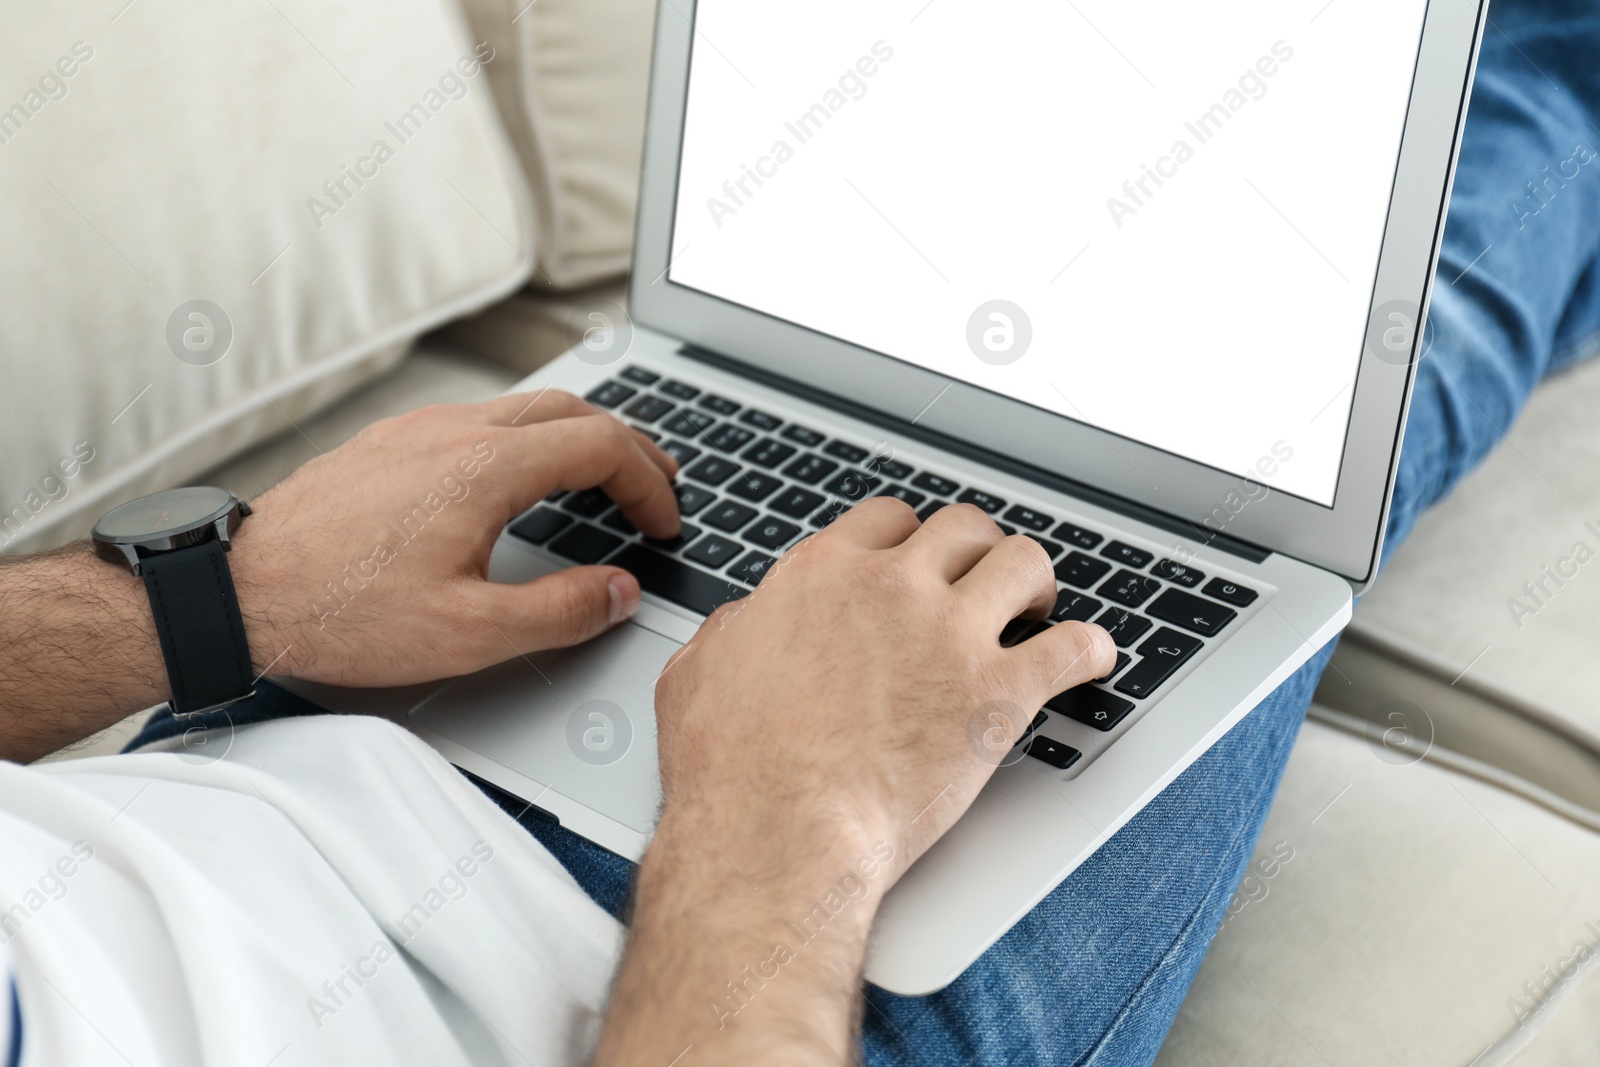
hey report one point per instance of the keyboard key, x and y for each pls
(853, 486)
(1173, 571)
(619, 522)
(1163, 654)
(640, 375)
(1033, 520)
(768, 453)
(1077, 535)
(714, 551)
(760, 420)
(648, 408)
(591, 503)
(1049, 546)
(1203, 617)
(684, 454)
(540, 525)
(585, 544)
(721, 405)
(728, 438)
(1039, 719)
(1017, 630)
(810, 469)
(752, 568)
(713, 470)
(1074, 607)
(729, 516)
(935, 484)
(676, 581)
(1124, 626)
(753, 485)
(1007, 529)
(928, 510)
(1092, 707)
(1081, 570)
(1167, 643)
(900, 492)
(889, 468)
(1049, 750)
(610, 394)
(798, 434)
(692, 499)
(1127, 555)
(686, 535)
(679, 390)
(987, 501)
(846, 451)
(1123, 659)
(772, 533)
(688, 423)
(648, 433)
(1239, 596)
(826, 515)
(1129, 589)
(796, 503)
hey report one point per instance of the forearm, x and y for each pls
(762, 966)
(78, 650)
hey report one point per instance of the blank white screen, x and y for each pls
(959, 152)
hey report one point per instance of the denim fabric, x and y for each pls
(1097, 971)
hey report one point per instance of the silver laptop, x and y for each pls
(1143, 285)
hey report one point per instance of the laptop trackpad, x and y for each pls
(580, 720)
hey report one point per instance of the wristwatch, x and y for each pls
(178, 541)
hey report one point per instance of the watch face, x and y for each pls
(164, 514)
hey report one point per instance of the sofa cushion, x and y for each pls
(1401, 914)
(327, 180)
(1485, 626)
(573, 91)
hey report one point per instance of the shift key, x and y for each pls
(675, 580)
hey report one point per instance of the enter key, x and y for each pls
(1164, 652)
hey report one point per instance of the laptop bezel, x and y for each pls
(1346, 538)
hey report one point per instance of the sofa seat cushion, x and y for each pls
(1401, 914)
(1484, 631)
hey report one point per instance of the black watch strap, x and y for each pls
(197, 618)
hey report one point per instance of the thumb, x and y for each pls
(565, 608)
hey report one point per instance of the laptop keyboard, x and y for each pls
(754, 485)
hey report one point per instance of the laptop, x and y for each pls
(1143, 285)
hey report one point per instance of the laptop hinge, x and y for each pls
(1054, 482)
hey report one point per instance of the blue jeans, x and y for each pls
(1096, 972)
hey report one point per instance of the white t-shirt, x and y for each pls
(330, 891)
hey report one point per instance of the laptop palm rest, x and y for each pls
(580, 720)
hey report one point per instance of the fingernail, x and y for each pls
(624, 597)
(1103, 643)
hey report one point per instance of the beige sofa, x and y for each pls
(1426, 897)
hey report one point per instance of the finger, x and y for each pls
(954, 539)
(1065, 655)
(534, 406)
(879, 522)
(1013, 578)
(583, 452)
(547, 405)
(559, 610)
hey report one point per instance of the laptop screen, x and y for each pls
(1162, 220)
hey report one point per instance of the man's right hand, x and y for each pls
(816, 738)
(857, 693)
